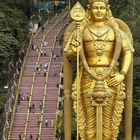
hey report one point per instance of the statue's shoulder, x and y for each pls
(71, 28)
(87, 36)
(125, 32)
(86, 29)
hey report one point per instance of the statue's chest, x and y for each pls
(99, 34)
(98, 40)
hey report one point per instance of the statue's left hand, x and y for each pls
(115, 80)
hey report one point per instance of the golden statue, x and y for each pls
(102, 46)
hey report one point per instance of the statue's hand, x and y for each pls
(115, 80)
(75, 45)
(75, 42)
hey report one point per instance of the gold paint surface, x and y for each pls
(98, 92)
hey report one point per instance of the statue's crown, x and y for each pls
(105, 1)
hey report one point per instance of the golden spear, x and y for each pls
(78, 14)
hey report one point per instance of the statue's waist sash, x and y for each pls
(87, 82)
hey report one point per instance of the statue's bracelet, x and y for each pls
(123, 73)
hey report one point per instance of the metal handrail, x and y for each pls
(44, 99)
(18, 85)
(56, 116)
(19, 82)
(31, 93)
(28, 112)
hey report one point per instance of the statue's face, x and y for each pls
(98, 11)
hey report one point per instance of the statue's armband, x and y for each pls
(126, 44)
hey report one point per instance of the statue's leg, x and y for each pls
(90, 116)
(118, 110)
(112, 113)
(89, 110)
(107, 117)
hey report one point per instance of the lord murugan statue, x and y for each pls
(102, 46)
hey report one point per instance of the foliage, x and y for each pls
(14, 16)
(13, 29)
(131, 15)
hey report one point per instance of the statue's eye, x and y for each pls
(95, 7)
(102, 7)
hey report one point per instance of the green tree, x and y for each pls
(14, 18)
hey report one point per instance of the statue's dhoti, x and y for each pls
(112, 111)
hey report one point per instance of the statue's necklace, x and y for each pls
(100, 42)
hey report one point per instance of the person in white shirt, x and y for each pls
(52, 122)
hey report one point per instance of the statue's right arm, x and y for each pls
(71, 46)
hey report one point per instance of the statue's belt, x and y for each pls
(101, 70)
